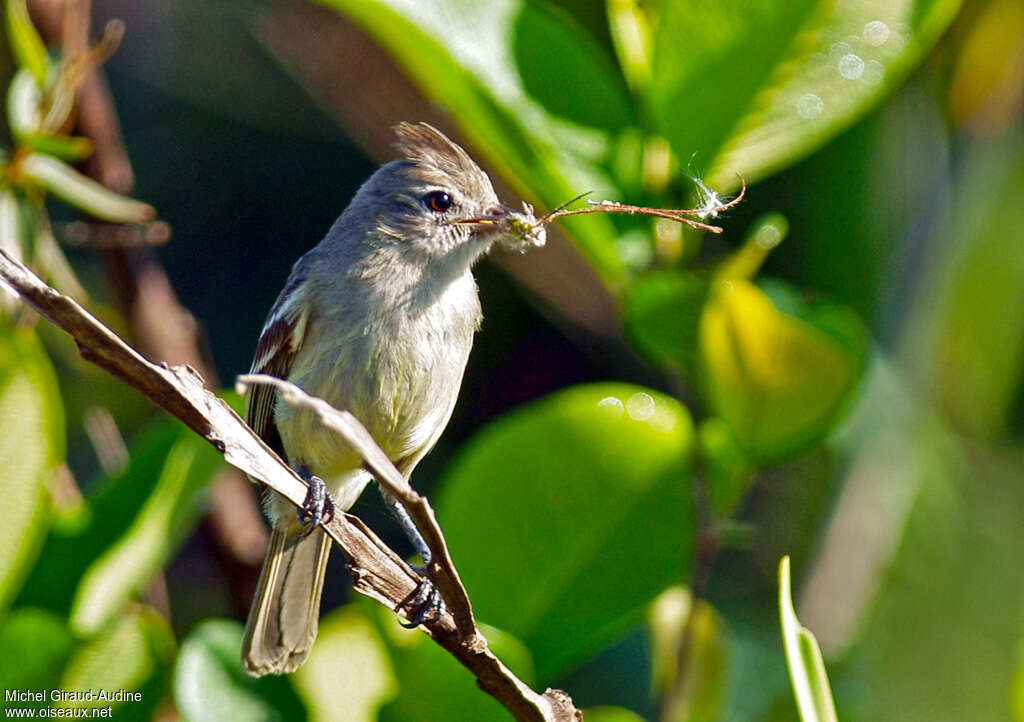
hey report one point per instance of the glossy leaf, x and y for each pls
(211, 686)
(82, 192)
(803, 657)
(31, 448)
(462, 56)
(751, 87)
(133, 655)
(348, 641)
(582, 500)
(158, 528)
(35, 645)
(777, 380)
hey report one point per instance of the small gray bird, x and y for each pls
(378, 319)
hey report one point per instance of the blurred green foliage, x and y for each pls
(839, 378)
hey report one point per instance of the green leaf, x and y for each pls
(28, 48)
(432, 685)
(753, 86)
(347, 640)
(31, 448)
(35, 645)
(700, 695)
(158, 529)
(568, 516)
(566, 71)
(663, 310)
(630, 25)
(110, 512)
(83, 192)
(803, 658)
(729, 472)
(133, 655)
(210, 684)
(778, 380)
(461, 56)
(67, 147)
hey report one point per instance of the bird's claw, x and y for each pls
(317, 507)
(426, 605)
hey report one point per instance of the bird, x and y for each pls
(378, 318)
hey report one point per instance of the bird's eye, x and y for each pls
(438, 201)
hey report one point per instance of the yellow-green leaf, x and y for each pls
(675, 620)
(346, 640)
(31, 447)
(28, 48)
(777, 380)
(133, 655)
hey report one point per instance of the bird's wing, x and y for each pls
(279, 342)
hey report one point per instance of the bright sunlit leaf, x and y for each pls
(211, 686)
(776, 379)
(753, 86)
(28, 48)
(348, 641)
(31, 448)
(83, 192)
(803, 658)
(133, 654)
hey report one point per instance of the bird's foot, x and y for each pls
(426, 604)
(318, 505)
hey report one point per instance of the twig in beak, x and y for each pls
(672, 214)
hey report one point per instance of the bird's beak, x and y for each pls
(491, 219)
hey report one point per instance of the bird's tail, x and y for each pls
(285, 611)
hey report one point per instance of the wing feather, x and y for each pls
(279, 343)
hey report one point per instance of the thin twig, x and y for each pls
(672, 214)
(378, 572)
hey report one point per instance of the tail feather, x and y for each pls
(285, 611)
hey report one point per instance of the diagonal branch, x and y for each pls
(378, 572)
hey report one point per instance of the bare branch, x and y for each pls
(378, 572)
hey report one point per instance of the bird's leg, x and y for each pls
(318, 505)
(428, 602)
